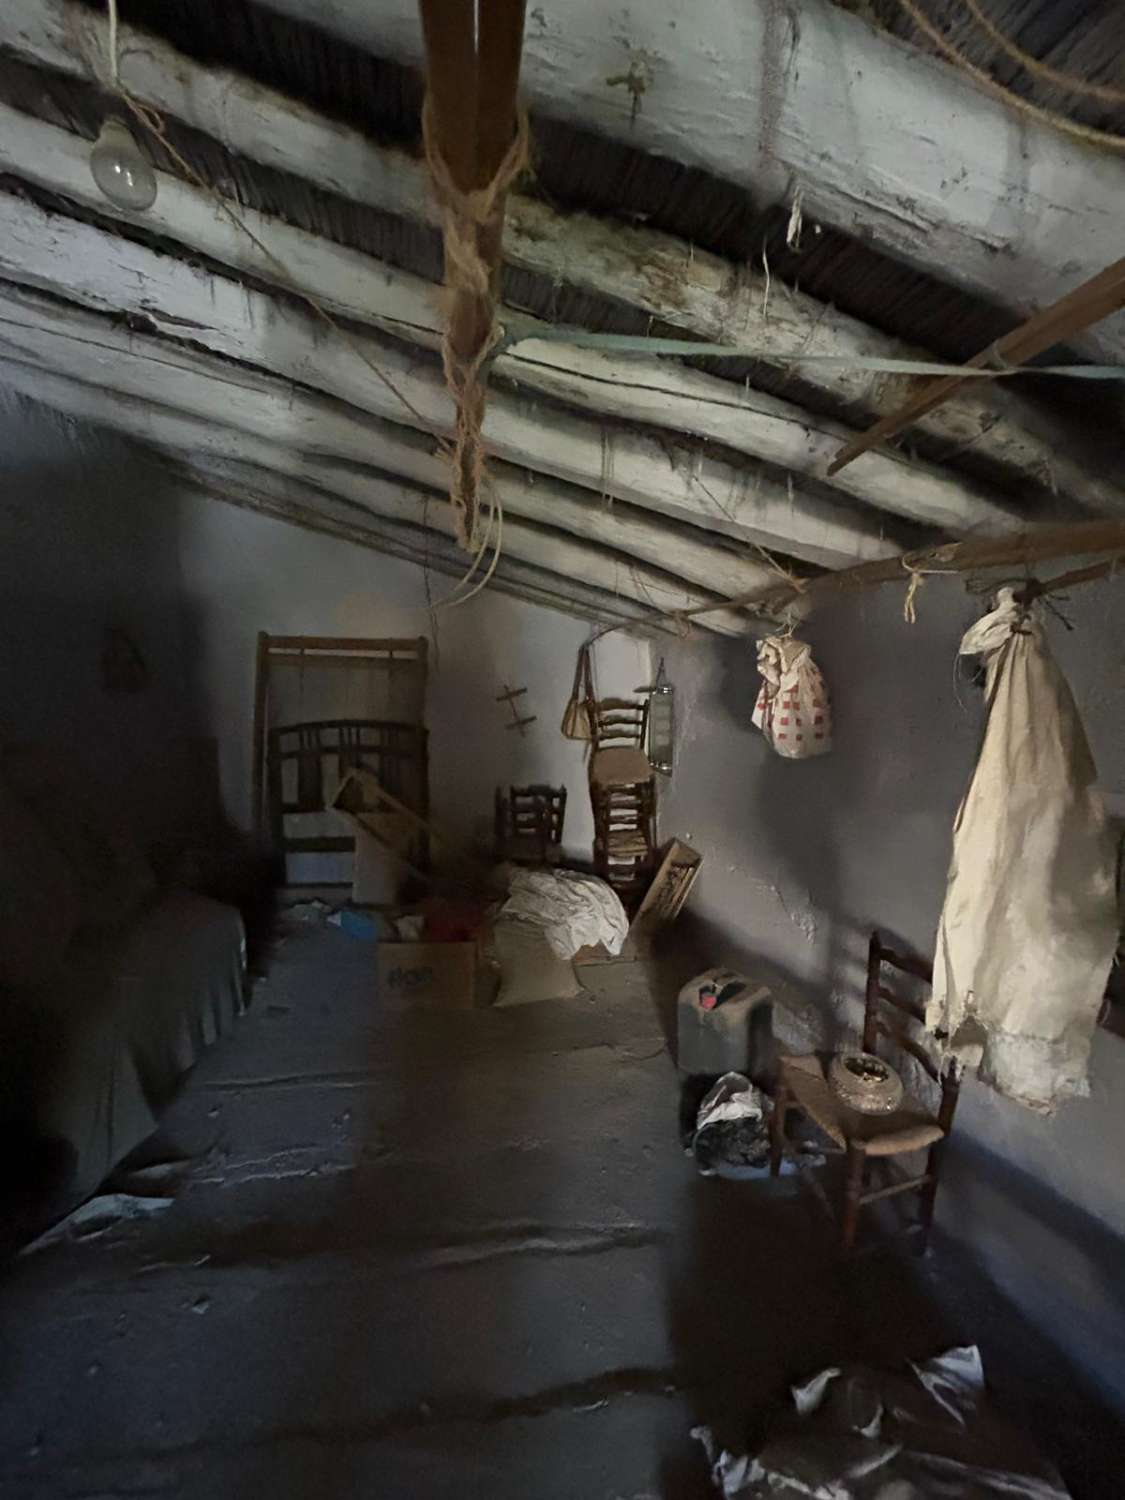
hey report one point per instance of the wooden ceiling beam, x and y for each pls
(882, 139)
(183, 399)
(225, 455)
(89, 265)
(652, 272)
(262, 332)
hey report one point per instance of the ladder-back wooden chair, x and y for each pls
(618, 755)
(623, 797)
(529, 824)
(889, 1017)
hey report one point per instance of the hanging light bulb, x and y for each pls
(119, 168)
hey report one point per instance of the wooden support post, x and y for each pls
(472, 66)
(777, 1125)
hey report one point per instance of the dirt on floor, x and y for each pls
(448, 1253)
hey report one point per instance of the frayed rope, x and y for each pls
(468, 220)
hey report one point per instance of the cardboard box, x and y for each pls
(441, 974)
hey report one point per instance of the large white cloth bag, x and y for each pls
(792, 710)
(1029, 926)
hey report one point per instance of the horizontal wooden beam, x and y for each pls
(1020, 549)
(397, 386)
(218, 455)
(653, 272)
(881, 139)
(660, 393)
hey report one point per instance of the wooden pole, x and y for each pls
(1090, 303)
(1037, 544)
(449, 27)
(473, 52)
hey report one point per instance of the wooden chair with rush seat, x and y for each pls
(529, 824)
(864, 1138)
(623, 797)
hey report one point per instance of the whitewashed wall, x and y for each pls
(90, 539)
(802, 859)
(245, 572)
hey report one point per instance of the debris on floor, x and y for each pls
(96, 1216)
(732, 1137)
(731, 1128)
(865, 1434)
(302, 912)
(367, 926)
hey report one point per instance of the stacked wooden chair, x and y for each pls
(623, 797)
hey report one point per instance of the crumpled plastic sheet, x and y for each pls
(863, 1434)
(574, 910)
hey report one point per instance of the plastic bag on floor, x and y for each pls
(865, 1434)
(730, 1129)
(792, 710)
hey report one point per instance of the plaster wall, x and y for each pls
(245, 573)
(89, 541)
(802, 859)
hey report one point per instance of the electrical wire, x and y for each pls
(152, 121)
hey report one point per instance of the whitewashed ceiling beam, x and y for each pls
(209, 442)
(650, 271)
(428, 552)
(386, 517)
(661, 393)
(263, 332)
(881, 139)
(203, 400)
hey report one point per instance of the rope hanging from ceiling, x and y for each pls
(1104, 92)
(1086, 133)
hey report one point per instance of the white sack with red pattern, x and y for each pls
(792, 709)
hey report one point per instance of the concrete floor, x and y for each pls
(446, 1254)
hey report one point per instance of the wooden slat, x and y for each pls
(908, 963)
(908, 1044)
(912, 1184)
(1088, 304)
(409, 646)
(917, 1012)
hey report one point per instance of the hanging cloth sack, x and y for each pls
(578, 716)
(792, 710)
(1029, 926)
